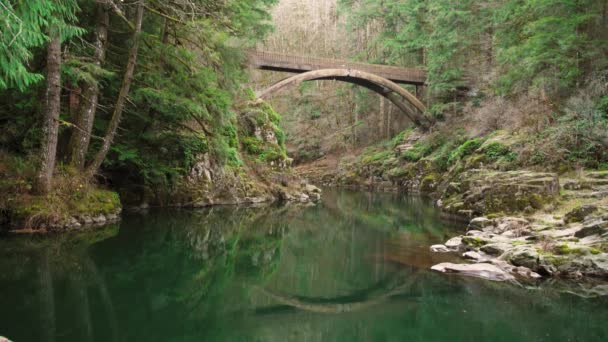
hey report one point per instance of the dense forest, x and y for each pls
(140, 97)
(129, 93)
(517, 65)
(158, 178)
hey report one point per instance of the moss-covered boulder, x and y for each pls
(485, 192)
(579, 213)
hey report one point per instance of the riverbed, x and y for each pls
(354, 267)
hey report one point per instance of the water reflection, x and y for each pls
(353, 268)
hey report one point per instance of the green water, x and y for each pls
(354, 268)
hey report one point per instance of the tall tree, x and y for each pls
(52, 104)
(83, 122)
(60, 14)
(122, 96)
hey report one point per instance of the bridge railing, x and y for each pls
(304, 63)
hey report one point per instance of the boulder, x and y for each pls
(598, 226)
(471, 255)
(309, 188)
(599, 265)
(314, 196)
(480, 270)
(439, 249)
(454, 243)
(496, 249)
(486, 192)
(99, 219)
(479, 223)
(85, 220)
(524, 256)
(73, 223)
(579, 213)
(303, 198)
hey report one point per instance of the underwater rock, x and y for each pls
(480, 270)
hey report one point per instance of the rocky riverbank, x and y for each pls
(523, 222)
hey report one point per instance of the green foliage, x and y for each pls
(466, 149)
(547, 43)
(253, 145)
(26, 25)
(544, 44)
(439, 31)
(398, 139)
(229, 132)
(564, 249)
(376, 157)
(420, 150)
(602, 106)
(578, 138)
(280, 135)
(496, 150)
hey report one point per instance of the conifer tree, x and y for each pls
(60, 14)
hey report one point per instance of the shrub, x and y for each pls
(420, 150)
(496, 150)
(466, 149)
(379, 156)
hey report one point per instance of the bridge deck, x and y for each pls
(298, 64)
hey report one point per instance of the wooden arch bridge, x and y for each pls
(382, 79)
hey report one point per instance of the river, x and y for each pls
(352, 268)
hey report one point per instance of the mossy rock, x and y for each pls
(474, 241)
(486, 192)
(401, 173)
(59, 208)
(579, 213)
(429, 183)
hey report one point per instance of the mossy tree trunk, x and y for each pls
(50, 125)
(81, 135)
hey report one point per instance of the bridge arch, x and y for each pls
(403, 99)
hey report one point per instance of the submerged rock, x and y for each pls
(480, 270)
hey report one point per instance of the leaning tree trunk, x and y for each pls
(50, 128)
(122, 96)
(81, 135)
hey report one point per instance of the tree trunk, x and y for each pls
(380, 130)
(389, 123)
(50, 126)
(81, 134)
(122, 96)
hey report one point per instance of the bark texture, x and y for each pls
(81, 135)
(50, 124)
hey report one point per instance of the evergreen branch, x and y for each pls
(150, 9)
(72, 125)
(120, 14)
